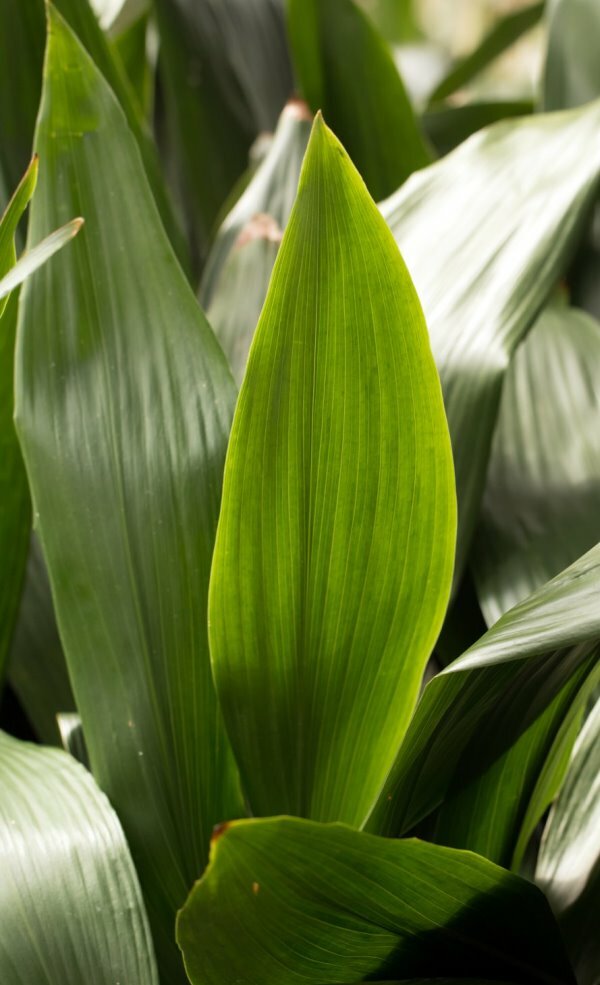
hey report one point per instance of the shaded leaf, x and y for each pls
(572, 69)
(72, 737)
(523, 662)
(485, 234)
(334, 549)
(503, 34)
(288, 901)
(240, 263)
(72, 908)
(345, 69)
(123, 417)
(448, 126)
(540, 506)
(227, 76)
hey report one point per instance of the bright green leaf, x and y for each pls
(485, 233)
(509, 677)
(123, 417)
(346, 70)
(72, 910)
(290, 902)
(540, 506)
(239, 266)
(335, 544)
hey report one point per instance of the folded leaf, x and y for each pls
(287, 901)
(540, 506)
(240, 263)
(505, 681)
(334, 550)
(346, 70)
(123, 417)
(72, 910)
(485, 234)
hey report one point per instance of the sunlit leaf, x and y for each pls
(345, 69)
(123, 417)
(334, 550)
(72, 910)
(291, 902)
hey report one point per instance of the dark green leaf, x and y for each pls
(239, 266)
(503, 34)
(227, 77)
(334, 550)
(123, 417)
(291, 902)
(449, 126)
(540, 507)
(510, 676)
(485, 234)
(72, 910)
(346, 70)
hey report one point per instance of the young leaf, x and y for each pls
(240, 263)
(72, 910)
(540, 506)
(525, 660)
(290, 902)
(123, 416)
(334, 550)
(485, 234)
(346, 70)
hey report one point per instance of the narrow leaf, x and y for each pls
(346, 70)
(123, 417)
(286, 901)
(572, 69)
(334, 550)
(37, 255)
(524, 661)
(485, 234)
(540, 506)
(448, 126)
(72, 908)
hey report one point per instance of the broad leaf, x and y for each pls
(286, 901)
(239, 266)
(36, 669)
(485, 234)
(227, 76)
(540, 506)
(503, 34)
(72, 910)
(123, 417)
(493, 694)
(334, 550)
(346, 70)
(568, 866)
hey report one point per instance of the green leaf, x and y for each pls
(227, 76)
(72, 910)
(503, 34)
(37, 255)
(540, 507)
(131, 48)
(448, 126)
(72, 737)
(568, 868)
(123, 417)
(286, 901)
(485, 233)
(510, 676)
(36, 670)
(346, 70)
(239, 266)
(572, 69)
(334, 550)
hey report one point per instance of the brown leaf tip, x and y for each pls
(218, 831)
(298, 109)
(261, 226)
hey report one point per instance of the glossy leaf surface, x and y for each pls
(335, 543)
(540, 506)
(240, 264)
(345, 69)
(123, 417)
(286, 901)
(506, 207)
(72, 909)
(521, 664)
